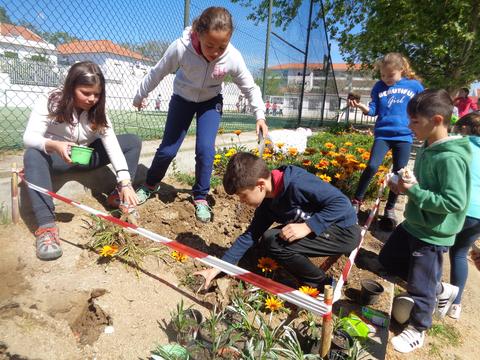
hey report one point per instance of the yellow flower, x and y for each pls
(306, 162)
(382, 169)
(293, 151)
(313, 292)
(280, 145)
(237, 132)
(343, 150)
(348, 143)
(218, 156)
(268, 142)
(273, 304)
(108, 250)
(334, 163)
(322, 164)
(216, 161)
(267, 156)
(332, 154)
(178, 256)
(360, 150)
(325, 177)
(362, 166)
(230, 152)
(339, 176)
(329, 145)
(221, 130)
(267, 264)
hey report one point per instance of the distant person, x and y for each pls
(238, 105)
(158, 102)
(74, 115)
(469, 125)
(463, 102)
(203, 56)
(312, 218)
(268, 106)
(390, 97)
(438, 192)
(274, 109)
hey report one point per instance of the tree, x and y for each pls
(58, 37)
(4, 18)
(275, 84)
(442, 39)
(152, 49)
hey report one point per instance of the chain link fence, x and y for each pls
(40, 40)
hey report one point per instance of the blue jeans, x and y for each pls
(179, 118)
(420, 264)
(400, 155)
(458, 254)
(39, 167)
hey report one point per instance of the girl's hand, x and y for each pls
(209, 275)
(62, 148)
(142, 105)
(128, 195)
(262, 126)
(359, 105)
(293, 232)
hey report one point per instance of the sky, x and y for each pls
(135, 21)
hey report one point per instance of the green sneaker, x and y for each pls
(144, 192)
(203, 212)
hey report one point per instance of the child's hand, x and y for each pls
(128, 196)
(209, 275)
(262, 126)
(62, 148)
(293, 232)
(403, 186)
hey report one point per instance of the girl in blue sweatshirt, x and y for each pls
(390, 97)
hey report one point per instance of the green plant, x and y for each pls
(183, 323)
(290, 346)
(445, 333)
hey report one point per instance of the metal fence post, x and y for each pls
(300, 106)
(186, 14)
(267, 47)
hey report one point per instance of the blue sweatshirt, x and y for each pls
(389, 104)
(474, 208)
(304, 198)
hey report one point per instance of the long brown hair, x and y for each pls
(471, 121)
(398, 62)
(213, 19)
(61, 102)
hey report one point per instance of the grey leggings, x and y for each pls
(40, 166)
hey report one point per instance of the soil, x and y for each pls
(78, 307)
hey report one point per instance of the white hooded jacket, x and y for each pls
(198, 80)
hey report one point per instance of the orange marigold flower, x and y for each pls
(365, 155)
(178, 256)
(360, 150)
(329, 145)
(313, 292)
(334, 163)
(267, 264)
(382, 169)
(306, 162)
(343, 150)
(293, 151)
(237, 132)
(280, 145)
(268, 142)
(108, 250)
(273, 304)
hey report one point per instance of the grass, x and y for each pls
(446, 333)
(146, 124)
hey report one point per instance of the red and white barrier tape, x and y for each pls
(351, 259)
(315, 305)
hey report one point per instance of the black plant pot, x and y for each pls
(370, 292)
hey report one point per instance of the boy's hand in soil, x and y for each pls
(209, 275)
(293, 232)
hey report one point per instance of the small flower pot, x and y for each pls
(370, 292)
(171, 351)
(81, 154)
(341, 341)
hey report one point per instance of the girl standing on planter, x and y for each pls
(202, 58)
(74, 115)
(390, 97)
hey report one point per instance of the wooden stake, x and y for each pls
(14, 194)
(327, 325)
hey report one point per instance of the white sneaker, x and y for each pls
(455, 311)
(445, 299)
(408, 340)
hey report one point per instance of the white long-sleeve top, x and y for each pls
(41, 128)
(198, 80)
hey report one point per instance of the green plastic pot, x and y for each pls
(81, 154)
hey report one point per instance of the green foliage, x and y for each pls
(446, 333)
(5, 217)
(4, 18)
